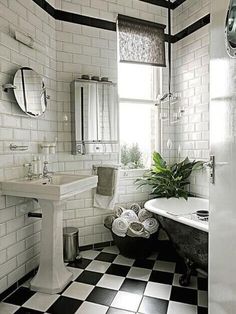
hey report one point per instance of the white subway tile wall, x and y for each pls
(69, 50)
(20, 235)
(191, 82)
(92, 51)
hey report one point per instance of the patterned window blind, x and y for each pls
(141, 41)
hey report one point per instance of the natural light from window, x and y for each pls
(139, 127)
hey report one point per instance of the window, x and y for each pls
(139, 86)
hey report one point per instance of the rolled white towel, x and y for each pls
(119, 210)
(136, 208)
(144, 214)
(120, 226)
(136, 229)
(129, 215)
(108, 221)
(151, 225)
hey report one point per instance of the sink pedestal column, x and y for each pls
(52, 276)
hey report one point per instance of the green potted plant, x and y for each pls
(131, 157)
(169, 180)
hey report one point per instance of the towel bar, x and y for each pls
(116, 167)
(15, 147)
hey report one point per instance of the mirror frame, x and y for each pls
(24, 94)
(231, 49)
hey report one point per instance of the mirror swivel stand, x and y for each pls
(7, 87)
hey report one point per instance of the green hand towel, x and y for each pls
(106, 181)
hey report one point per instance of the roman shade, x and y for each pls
(141, 41)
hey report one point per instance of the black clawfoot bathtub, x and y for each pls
(188, 234)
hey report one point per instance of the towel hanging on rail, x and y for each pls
(106, 192)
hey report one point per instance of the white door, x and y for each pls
(222, 240)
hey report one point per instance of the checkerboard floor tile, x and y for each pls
(89, 277)
(105, 282)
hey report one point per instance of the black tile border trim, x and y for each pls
(165, 3)
(84, 20)
(176, 4)
(17, 284)
(140, 21)
(75, 18)
(111, 26)
(33, 272)
(9, 291)
(160, 3)
(191, 28)
(46, 7)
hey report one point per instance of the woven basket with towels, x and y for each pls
(134, 231)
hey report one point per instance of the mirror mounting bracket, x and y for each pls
(7, 87)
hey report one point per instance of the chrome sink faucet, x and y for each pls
(46, 174)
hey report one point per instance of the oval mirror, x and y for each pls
(230, 29)
(30, 92)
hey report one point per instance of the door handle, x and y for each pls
(211, 164)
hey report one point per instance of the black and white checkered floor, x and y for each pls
(106, 282)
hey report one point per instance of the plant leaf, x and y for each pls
(169, 181)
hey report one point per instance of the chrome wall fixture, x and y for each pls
(94, 109)
(7, 87)
(27, 40)
(18, 148)
(30, 91)
(230, 29)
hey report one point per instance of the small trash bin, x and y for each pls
(70, 243)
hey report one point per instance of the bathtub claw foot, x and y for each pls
(184, 280)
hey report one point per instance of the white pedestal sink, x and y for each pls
(52, 276)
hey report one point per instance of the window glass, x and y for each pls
(139, 126)
(135, 81)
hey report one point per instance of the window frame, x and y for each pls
(157, 84)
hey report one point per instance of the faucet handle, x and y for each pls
(45, 168)
(28, 165)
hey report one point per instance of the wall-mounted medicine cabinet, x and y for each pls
(94, 109)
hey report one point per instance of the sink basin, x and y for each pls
(52, 276)
(59, 187)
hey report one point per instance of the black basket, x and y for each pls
(135, 247)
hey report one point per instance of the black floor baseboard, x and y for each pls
(17, 284)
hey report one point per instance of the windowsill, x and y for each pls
(136, 169)
(132, 173)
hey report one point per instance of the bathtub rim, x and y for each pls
(152, 207)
